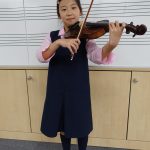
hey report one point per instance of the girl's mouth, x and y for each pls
(70, 19)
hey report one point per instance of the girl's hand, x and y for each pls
(71, 44)
(115, 32)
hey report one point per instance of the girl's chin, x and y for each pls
(71, 23)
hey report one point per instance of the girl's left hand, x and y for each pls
(115, 32)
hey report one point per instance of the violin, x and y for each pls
(94, 30)
(90, 30)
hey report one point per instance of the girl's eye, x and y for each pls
(73, 7)
(63, 9)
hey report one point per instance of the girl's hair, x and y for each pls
(77, 1)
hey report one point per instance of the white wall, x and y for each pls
(25, 23)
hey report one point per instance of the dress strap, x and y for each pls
(54, 35)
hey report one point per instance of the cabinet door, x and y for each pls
(110, 98)
(36, 89)
(14, 110)
(139, 116)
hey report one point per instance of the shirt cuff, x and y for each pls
(109, 59)
(45, 44)
(96, 57)
(40, 57)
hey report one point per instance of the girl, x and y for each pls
(67, 107)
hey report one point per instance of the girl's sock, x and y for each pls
(66, 142)
(82, 143)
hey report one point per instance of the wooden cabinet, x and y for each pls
(36, 80)
(139, 114)
(110, 99)
(14, 106)
(120, 107)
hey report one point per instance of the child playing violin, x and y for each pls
(67, 107)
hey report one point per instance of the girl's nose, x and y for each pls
(69, 12)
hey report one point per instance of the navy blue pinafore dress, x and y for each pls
(67, 106)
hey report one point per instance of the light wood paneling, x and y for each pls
(139, 118)
(37, 90)
(110, 98)
(14, 110)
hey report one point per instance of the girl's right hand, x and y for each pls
(71, 44)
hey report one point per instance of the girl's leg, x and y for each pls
(66, 142)
(82, 143)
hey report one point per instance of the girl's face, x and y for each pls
(69, 12)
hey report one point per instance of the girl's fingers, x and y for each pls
(73, 45)
(70, 49)
(77, 46)
(112, 26)
(117, 24)
(78, 41)
(123, 25)
(74, 48)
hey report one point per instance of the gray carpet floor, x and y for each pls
(6, 144)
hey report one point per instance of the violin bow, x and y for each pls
(85, 19)
(84, 22)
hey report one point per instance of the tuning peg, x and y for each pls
(134, 35)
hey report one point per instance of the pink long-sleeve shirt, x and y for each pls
(94, 53)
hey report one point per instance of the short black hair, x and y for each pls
(77, 1)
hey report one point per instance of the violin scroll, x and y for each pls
(137, 30)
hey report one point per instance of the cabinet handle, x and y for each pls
(30, 77)
(135, 80)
